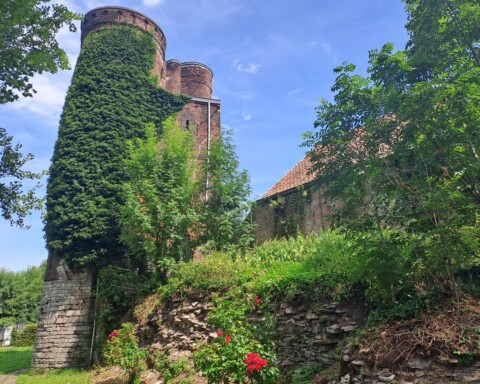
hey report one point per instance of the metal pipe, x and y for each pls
(208, 146)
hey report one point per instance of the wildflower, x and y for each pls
(228, 339)
(220, 333)
(258, 300)
(113, 334)
(254, 363)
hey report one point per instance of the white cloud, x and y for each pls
(247, 68)
(152, 3)
(246, 116)
(49, 99)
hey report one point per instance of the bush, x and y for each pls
(24, 337)
(243, 347)
(122, 349)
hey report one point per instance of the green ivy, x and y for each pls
(112, 97)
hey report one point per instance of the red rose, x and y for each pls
(254, 363)
(220, 333)
(258, 300)
(113, 334)
(228, 339)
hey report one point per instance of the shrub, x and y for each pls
(243, 347)
(24, 337)
(122, 349)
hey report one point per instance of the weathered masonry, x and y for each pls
(66, 329)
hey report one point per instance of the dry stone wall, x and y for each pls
(65, 329)
(306, 333)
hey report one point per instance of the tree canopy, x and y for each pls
(28, 45)
(15, 204)
(399, 148)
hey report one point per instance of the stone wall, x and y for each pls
(64, 331)
(304, 209)
(306, 333)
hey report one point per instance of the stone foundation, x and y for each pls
(65, 328)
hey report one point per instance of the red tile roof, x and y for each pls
(297, 176)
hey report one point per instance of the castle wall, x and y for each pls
(196, 80)
(66, 321)
(110, 16)
(65, 328)
(194, 117)
(301, 209)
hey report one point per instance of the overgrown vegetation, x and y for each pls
(176, 202)
(243, 348)
(399, 150)
(112, 97)
(20, 294)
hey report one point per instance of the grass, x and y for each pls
(65, 376)
(14, 359)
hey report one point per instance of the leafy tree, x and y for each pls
(112, 97)
(160, 218)
(15, 203)
(399, 148)
(28, 44)
(20, 294)
(170, 210)
(226, 204)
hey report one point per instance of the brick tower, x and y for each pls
(66, 329)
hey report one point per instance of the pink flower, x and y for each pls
(228, 339)
(220, 333)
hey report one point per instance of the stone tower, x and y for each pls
(66, 329)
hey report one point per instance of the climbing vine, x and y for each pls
(112, 97)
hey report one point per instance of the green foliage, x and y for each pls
(28, 45)
(243, 327)
(312, 266)
(118, 291)
(214, 272)
(169, 211)
(226, 191)
(306, 374)
(14, 359)
(122, 349)
(15, 203)
(405, 148)
(20, 294)
(24, 337)
(169, 368)
(112, 97)
(160, 219)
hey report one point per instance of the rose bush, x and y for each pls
(242, 351)
(122, 349)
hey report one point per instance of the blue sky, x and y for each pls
(272, 61)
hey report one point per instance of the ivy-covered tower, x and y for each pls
(121, 82)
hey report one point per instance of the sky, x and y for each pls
(272, 62)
